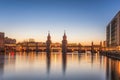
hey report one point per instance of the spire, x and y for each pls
(64, 37)
(92, 43)
(64, 32)
(48, 33)
(49, 37)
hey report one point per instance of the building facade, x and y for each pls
(2, 40)
(9, 44)
(113, 32)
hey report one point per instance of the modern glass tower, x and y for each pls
(113, 32)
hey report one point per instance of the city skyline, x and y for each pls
(83, 21)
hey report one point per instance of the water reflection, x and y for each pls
(48, 61)
(112, 69)
(54, 66)
(100, 60)
(2, 57)
(92, 58)
(64, 63)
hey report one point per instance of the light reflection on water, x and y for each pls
(55, 66)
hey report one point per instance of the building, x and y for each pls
(113, 32)
(2, 40)
(10, 40)
(10, 44)
(104, 44)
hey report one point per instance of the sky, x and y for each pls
(83, 20)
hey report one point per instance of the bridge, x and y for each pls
(55, 47)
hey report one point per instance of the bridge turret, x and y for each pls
(92, 47)
(64, 43)
(48, 37)
(64, 36)
(48, 43)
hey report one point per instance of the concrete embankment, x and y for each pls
(111, 54)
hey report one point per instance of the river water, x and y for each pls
(55, 66)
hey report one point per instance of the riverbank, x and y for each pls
(111, 54)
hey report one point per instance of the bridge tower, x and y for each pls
(48, 43)
(79, 48)
(64, 43)
(92, 47)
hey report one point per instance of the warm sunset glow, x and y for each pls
(34, 19)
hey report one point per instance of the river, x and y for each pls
(55, 66)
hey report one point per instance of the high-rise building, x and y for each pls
(113, 32)
(64, 43)
(1, 40)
